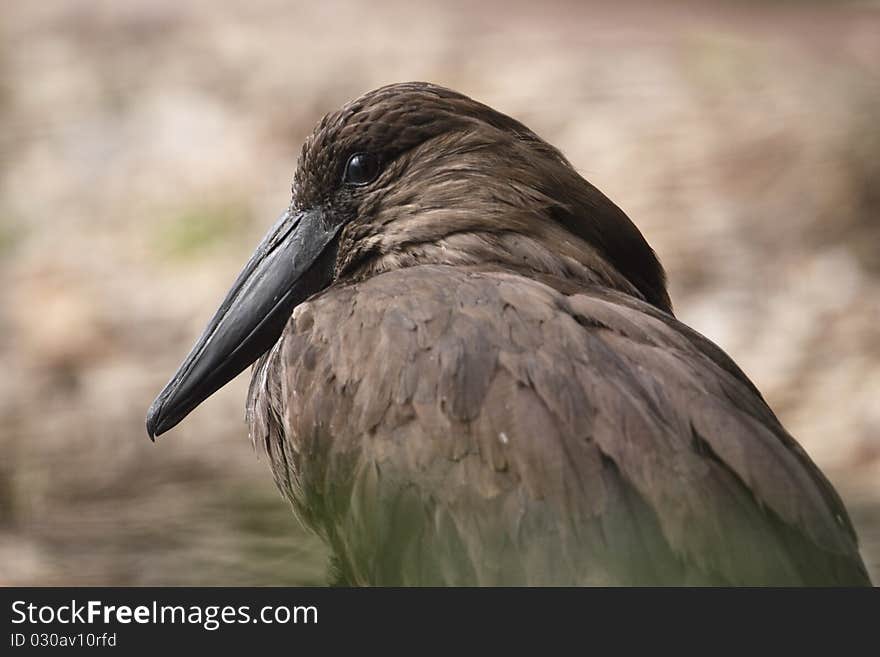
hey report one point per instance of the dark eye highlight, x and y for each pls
(361, 169)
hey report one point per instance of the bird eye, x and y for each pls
(361, 169)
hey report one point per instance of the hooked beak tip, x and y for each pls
(154, 421)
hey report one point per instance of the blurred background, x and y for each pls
(146, 147)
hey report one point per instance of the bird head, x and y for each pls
(405, 175)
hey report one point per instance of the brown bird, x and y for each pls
(480, 380)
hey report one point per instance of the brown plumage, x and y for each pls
(483, 382)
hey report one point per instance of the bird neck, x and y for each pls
(540, 254)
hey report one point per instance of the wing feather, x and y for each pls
(444, 426)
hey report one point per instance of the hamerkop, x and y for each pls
(468, 372)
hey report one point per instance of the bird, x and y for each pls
(467, 371)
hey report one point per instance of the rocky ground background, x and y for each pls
(145, 148)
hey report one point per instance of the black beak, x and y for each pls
(294, 261)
